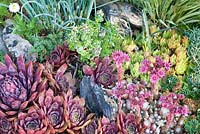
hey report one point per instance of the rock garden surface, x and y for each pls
(99, 67)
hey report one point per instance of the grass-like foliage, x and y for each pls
(169, 13)
(57, 14)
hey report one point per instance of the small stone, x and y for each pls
(147, 123)
(147, 131)
(159, 117)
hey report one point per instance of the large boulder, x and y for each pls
(126, 15)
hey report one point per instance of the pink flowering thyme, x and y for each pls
(153, 114)
(157, 68)
(119, 58)
(170, 106)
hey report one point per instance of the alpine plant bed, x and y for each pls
(49, 98)
(129, 67)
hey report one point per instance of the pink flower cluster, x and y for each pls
(137, 96)
(171, 102)
(156, 69)
(119, 57)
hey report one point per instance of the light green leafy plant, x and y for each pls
(172, 46)
(92, 40)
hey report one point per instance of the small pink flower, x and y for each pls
(167, 65)
(159, 61)
(119, 57)
(143, 69)
(146, 62)
(161, 73)
(184, 110)
(154, 78)
(180, 96)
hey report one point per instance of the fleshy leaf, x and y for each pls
(21, 65)
(94, 97)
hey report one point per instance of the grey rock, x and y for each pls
(94, 98)
(2, 44)
(15, 44)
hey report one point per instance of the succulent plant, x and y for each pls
(127, 124)
(6, 126)
(75, 113)
(53, 107)
(60, 55)
(107, 127)
(19, 84)
(91, 128)
(169, 83)
(103, 73)
(32, 121)
(59, 80)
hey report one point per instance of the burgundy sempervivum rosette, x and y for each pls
(53, 107)
(60, 55)
(19, 84)
(6, 126)
(32, 121)
(60, 80)
(127, 124)
(75, 113)
(107, 127)
(103, 73)
(91, 128)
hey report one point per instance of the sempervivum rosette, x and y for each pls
(32, 121)
(60, 55)
(107, 127)
(60, 80)
(18, 84)
(75, 113)
(91, 128)
(5, 125)
(53, 107)
(127, 124)
(103, 73)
